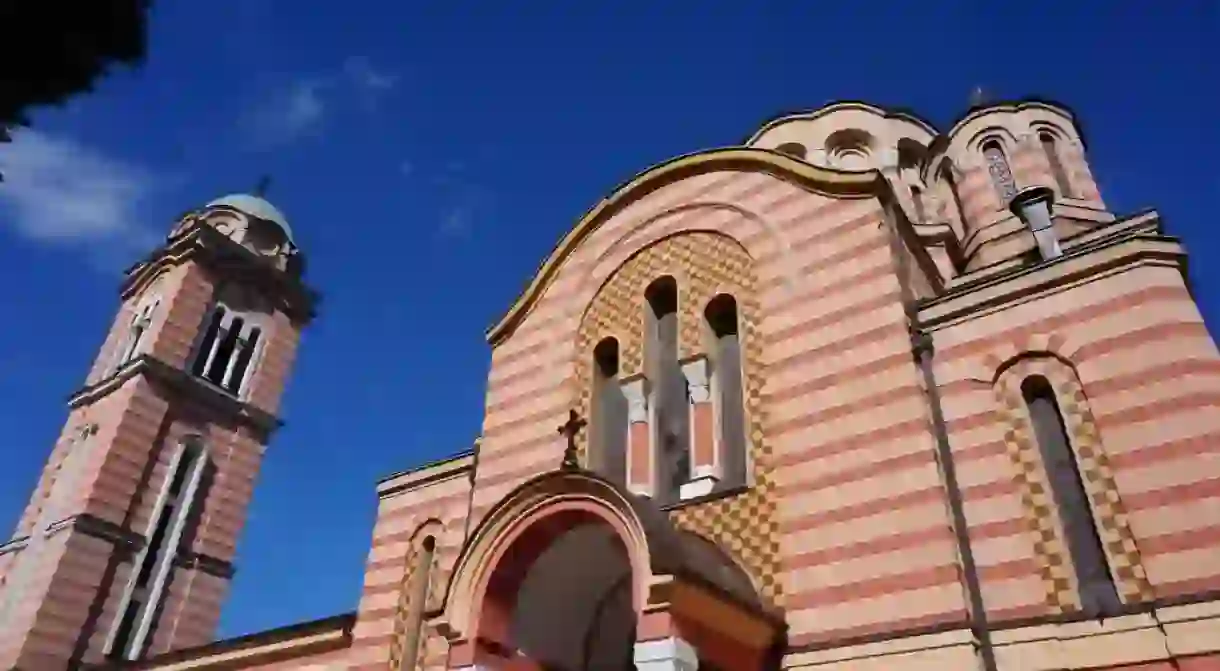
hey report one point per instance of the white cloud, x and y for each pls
(364, 76)
(58, 191)
(302, 107)
(288, 114)
(457, 223)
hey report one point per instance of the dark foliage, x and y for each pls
(53, 49)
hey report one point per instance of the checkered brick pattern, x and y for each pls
(704, 265)
(405, 607)
(1096, 474)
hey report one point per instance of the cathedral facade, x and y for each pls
(854, 394)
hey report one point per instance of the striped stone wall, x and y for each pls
(863, 534)
(407, 510)
(1137, 377)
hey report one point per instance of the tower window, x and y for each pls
(1001, 173)
(227, 350)
(1098, 594)
(141, 321)
(727, 387)
(670, 401)
(1051, 148)
(151, 569)
(608, 437)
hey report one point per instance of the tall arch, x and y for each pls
(420, 579)
(1020, 382)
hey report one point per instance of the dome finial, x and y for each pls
(264, 183)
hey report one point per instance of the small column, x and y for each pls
(639, 448)
(665, 654)
(705, 463)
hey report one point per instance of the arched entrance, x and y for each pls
(571, 573)
(563, 599)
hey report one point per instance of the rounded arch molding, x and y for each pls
(670, 222)
(821, 180)
(1052, 358)
(534, 504)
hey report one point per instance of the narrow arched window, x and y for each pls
(608, 438)
(1051, 148)
(728, 383)
(670, 397)
(421, 580)
(999, 170)
(137, 330)
(1098, 595)
(182, 490)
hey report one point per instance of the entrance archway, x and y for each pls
(571, 608)
(571, 573)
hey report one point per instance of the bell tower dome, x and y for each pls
(126, 547)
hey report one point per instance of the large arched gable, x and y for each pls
(815, 179)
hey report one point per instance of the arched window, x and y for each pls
(227, 350)
(1001, 174)
(794, 149)
(727, 381)
(1051, 148)
(1098, 594)
(137, 329)
(608, 437)
(670, 396)
(421, 580)
(181, 493)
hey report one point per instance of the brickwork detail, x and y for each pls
(703, 264)
(404, 607)
(1050, 547)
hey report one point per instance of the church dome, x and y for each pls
(257, 207)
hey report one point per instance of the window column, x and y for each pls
(705, 458)
(640, 466)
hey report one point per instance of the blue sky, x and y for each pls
(429, 155)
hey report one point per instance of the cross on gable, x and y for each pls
(570, 429)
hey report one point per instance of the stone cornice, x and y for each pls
(126, 540)
(1085, 261)
(441, 469)
(205, 563)
(160, 372)
(213, 249)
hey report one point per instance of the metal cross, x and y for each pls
(570, 429)
(264, 183)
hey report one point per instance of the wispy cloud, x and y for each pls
(467, 203)
(59, 191)
(302, 107)
(366, 78)
(288, 114)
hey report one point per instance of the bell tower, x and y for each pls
(126, 547)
